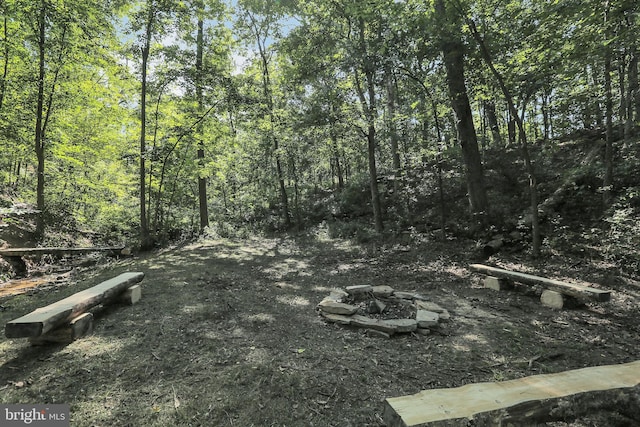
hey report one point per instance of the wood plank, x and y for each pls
(523, 401)
(17, 252)
(44, 319)
(578, 291)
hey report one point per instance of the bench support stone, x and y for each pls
(75, 329)
(132, 295)
(497, 283)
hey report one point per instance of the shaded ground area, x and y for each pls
(227, 335)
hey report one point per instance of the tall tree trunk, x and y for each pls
(336, 159)
(145, 241)
(39, 130)
(369, 111)
(5, 66)
(393, 132)
(632, 93)
(533, 190)
(633, 80)
(454, 64)
(622, 108)
(453, 54)
(608, 156)
(202, 181)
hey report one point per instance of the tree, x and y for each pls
(453, 54)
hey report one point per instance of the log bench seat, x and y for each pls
(556, 293)
(529, 401)
(69, 318)
(14, 255)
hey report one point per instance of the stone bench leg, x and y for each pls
(75, 329)
(132, 295)
(497, 283)
(558, 300)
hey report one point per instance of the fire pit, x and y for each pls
(382, 310)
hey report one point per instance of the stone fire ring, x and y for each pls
(427, 314)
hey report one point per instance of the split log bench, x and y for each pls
(14, 255)
(529, 401)
(556, 293)
(69, 319)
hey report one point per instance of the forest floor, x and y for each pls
(227, 334)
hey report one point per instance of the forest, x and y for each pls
(148, 121)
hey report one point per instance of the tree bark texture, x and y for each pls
(202, 181)
(454, 64)
(144, 226)
(608, 95)
(453, 55)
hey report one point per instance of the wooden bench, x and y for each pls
(69, 319)
(528, 401)
(556, 292)
(14, 255)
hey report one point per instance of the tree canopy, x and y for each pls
(152, 118)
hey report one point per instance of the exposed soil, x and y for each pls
(227, 334)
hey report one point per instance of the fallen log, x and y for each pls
(45, 319)
(525, 401)
(56, 251)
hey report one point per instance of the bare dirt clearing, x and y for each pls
(227, 334)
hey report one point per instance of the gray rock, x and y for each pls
(330, 306)
(426, 319)
(409, 296)
(383, 291)
(403, 325)
(337, 318)
(338, 295)
(432, 306)
(367, 322)
(359, 289)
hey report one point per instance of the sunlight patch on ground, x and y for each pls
(188, 309)
(343, 268)
(94, 345)
(258, 356)
(261, 318)
(285, 285)
(295, 301)
(289, 265)
(474, 338)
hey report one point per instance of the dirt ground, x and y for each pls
(227, 334)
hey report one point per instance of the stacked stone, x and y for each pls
(427, 314)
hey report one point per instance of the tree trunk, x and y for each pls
(202, 181)
(622, 108)
(454, 64)
(453, 55)
(5, 65)
(393, 133)
(608, 157)
(490, 111)
(369, 112)
(632, 93)
(144, 226)
(39, 130)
